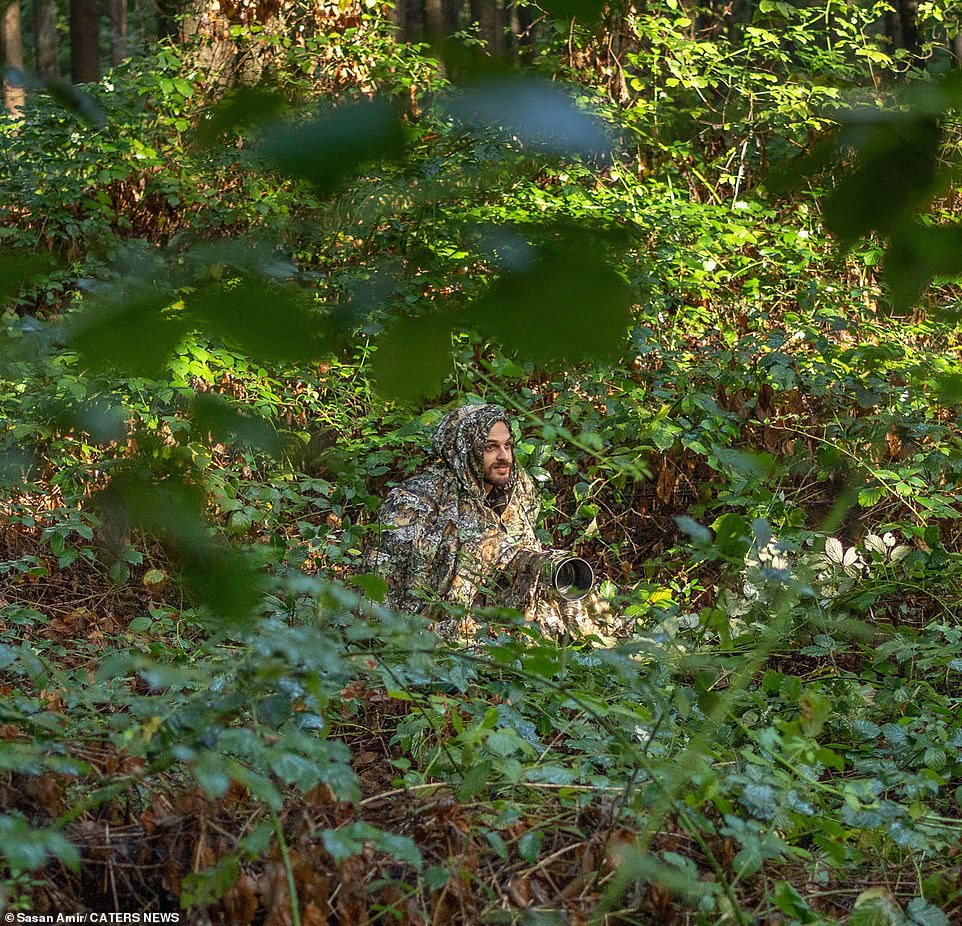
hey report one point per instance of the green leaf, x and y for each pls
(217, 420)
(402, 848)
(475, 778)
(792, 904)
(412, 358)
(204, 888)
(732, 535)
(336, 144)
(374, 587)
(922, 913)
(504, 742)
(174, 511)
(18, 269)
(877, 907)
(896, 153)
(584, 11)
(295, 770)
(211, 774)
(749, 464)
(814, 710)
(948, 388)
(918, 253)
(267, 322)
(529, 846)
(568, 306)
(241, 109)
(871, 496)
(134, 334)
(26, 849)
(346, 841)
(551, 774)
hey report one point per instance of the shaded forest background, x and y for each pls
(707, 254)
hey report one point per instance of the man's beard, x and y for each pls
(498, 480)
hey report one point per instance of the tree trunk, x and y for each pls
(489, 15)
(46, 39)
(902, 26)
(440, 18)
(409, 17)
(11, 45)
(118, 31)
(167, 12)
(84, 41)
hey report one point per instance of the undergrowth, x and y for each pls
(204, 706)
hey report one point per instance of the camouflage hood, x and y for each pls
(459, 442)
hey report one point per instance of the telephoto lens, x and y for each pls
(573, 578)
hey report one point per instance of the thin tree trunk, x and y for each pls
(46, 39)
(489, 15)
(118, 31)
(902, 26)
(84, 41)
(11, 41)
(440, 18)
(409, 17)
(167, 12)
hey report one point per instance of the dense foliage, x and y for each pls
(233, 318)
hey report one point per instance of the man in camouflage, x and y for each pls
(463, 531)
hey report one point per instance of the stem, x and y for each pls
(286, 859)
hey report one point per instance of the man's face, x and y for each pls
(498, 456)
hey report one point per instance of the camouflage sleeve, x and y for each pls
(401, 551)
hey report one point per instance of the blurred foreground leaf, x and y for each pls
(568, 306)
(19, 268)
(412, 357)
(267, 322)
(916, 255)
(131, 333)
(336, 144)
(220, 421)
(173, 511)
(541, 115)
(70, 97)
(244, 107)
(894, 172)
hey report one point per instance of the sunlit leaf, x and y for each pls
(732, 535)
